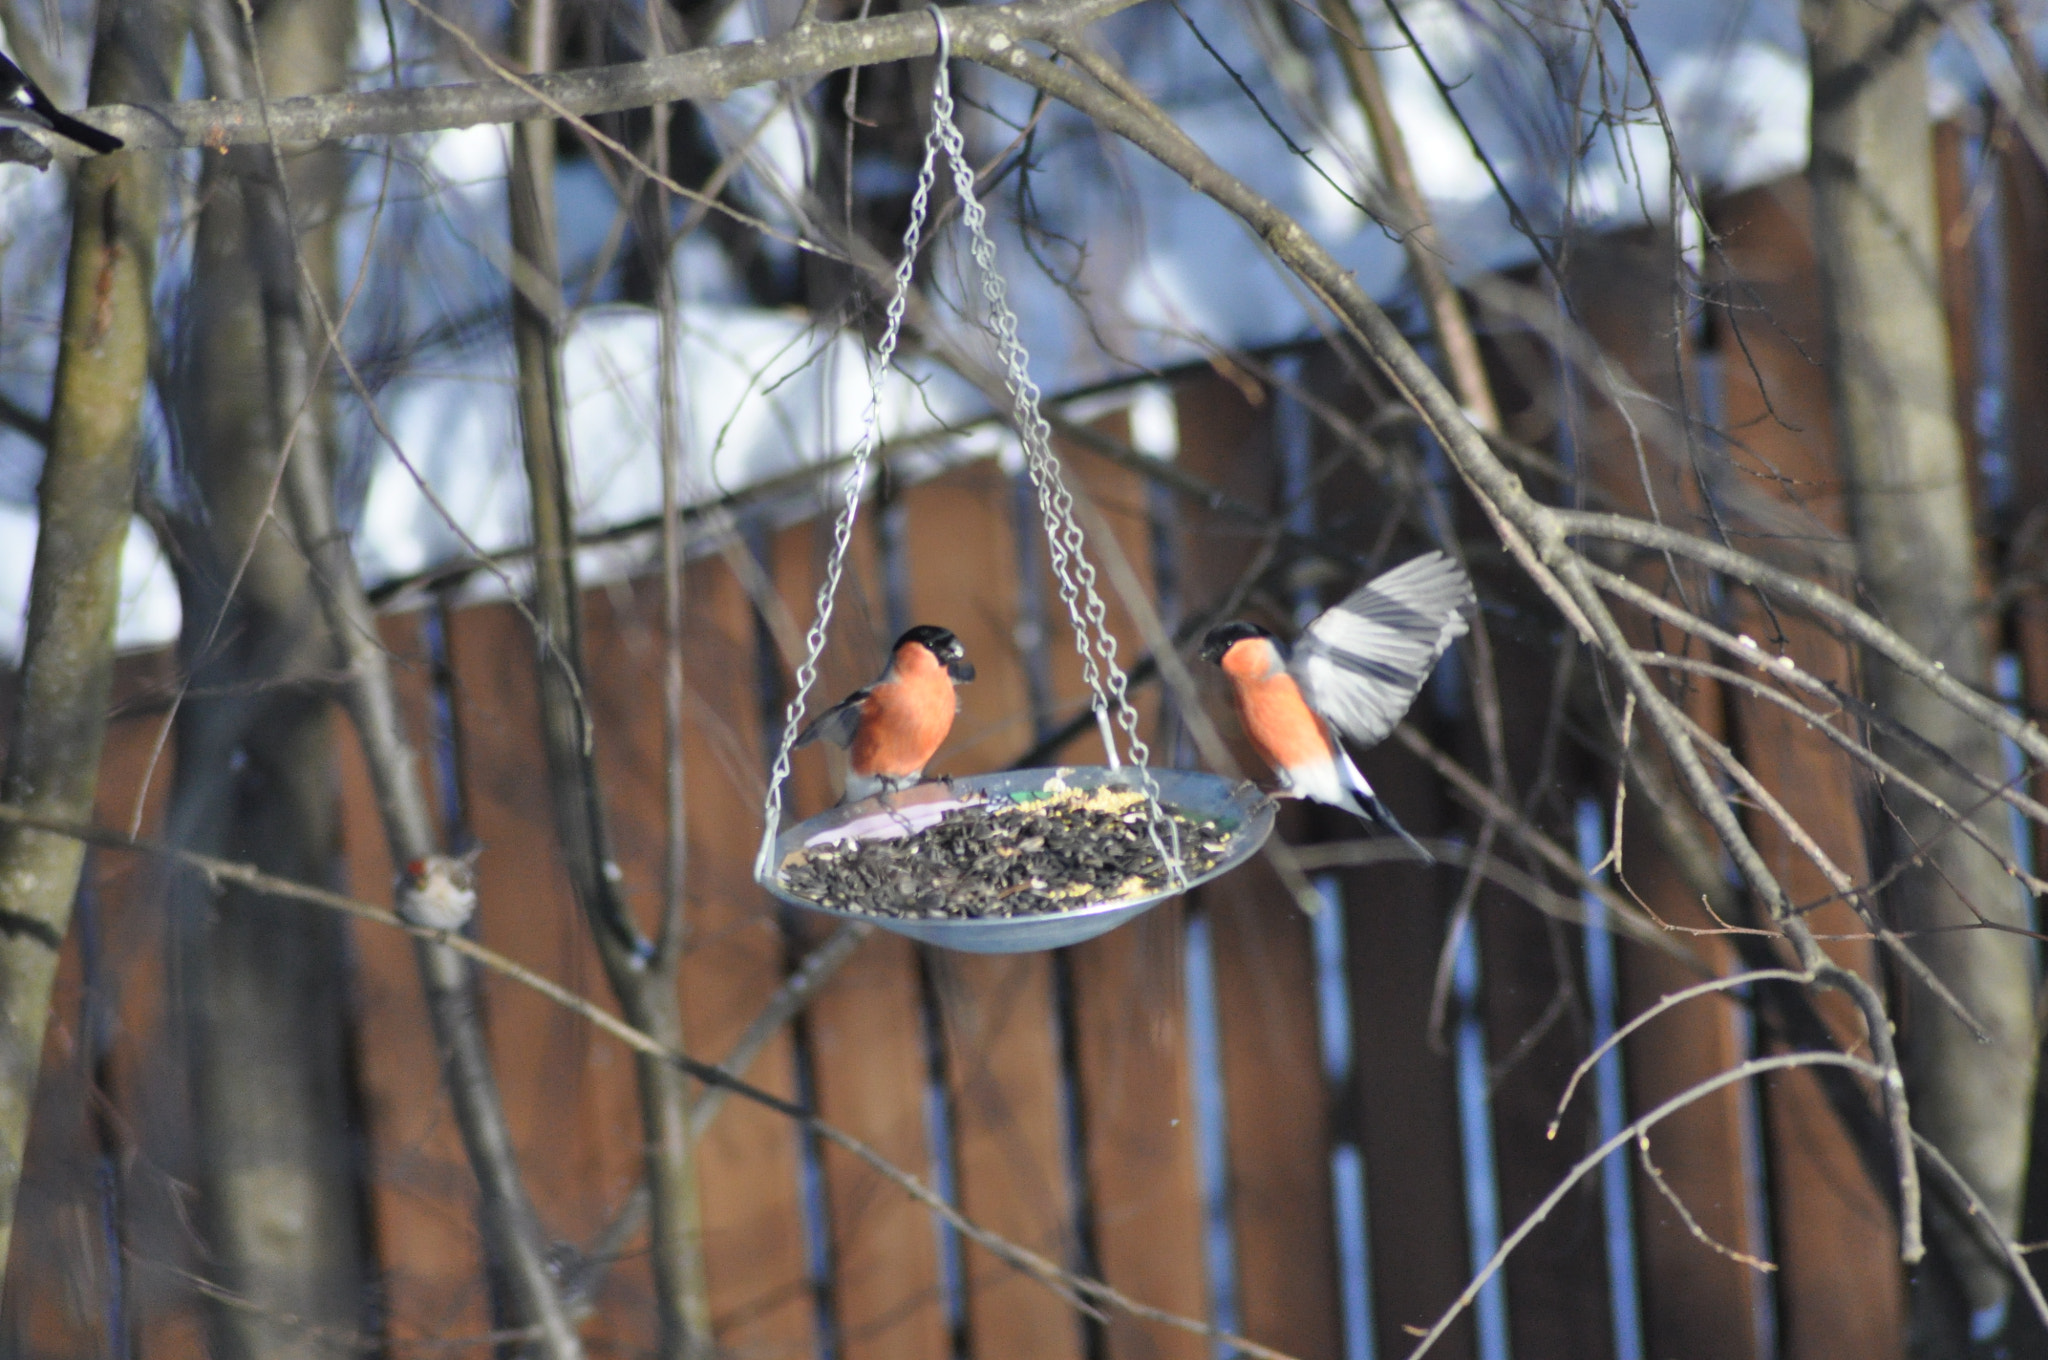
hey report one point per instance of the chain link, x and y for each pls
(1072, 570)
(842, 528)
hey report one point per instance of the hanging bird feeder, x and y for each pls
(1027, 859)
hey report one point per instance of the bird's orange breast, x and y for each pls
(903, 722)
(1277, 720)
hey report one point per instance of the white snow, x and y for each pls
(149, 594)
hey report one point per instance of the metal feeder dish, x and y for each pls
(1236, 815)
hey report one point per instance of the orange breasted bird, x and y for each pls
(1354, 671)
(894, 726)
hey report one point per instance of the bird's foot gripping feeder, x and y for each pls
(1026, 859)
(1029, 859)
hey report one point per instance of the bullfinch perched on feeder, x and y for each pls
(23, 103)
(1354, 671)
(891, 728)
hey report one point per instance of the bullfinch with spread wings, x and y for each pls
(894, 726)
(1354, 672)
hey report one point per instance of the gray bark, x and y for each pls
(264, 987)
(84, 503)
(700, 74)
(1892, 392)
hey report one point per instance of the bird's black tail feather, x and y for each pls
(1372, 804)
(85, 134)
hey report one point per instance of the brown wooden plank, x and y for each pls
(997, 1015)
(144, 1127)
(1137, 1120)
(962, 558)
(1559, 1304)
(422, 1193)
(1277, 1115)
(1276, 1099)
(1003, 1070)
(2023, 203)
(865, 1033)
(753, 1220)
(1402, 1107)
(1119, 496)
(1530, 1004)
(1694, 1299)
(1840, 1291)
(1130, 1020)
(150, 1128)
(566, 1096)
(623, 650)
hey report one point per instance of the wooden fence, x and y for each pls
(1263, 1130)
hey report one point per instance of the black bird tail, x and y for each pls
(1386, 819)
(85, 134)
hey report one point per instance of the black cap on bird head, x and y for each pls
(941, 643)
(1226, 635)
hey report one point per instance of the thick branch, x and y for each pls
(702, 74)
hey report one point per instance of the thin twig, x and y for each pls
(1822, 602)
(1630, 919)
(1685, 1215)
(1755, 1067)
(1667, 1003)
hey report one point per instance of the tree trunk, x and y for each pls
(643, 975)
(85, 502)
(266, 987)
(1876, 237)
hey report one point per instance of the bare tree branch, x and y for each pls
(702, 74)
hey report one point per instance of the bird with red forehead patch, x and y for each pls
(894, 726)
(1354, 671)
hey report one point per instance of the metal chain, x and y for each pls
(842, 529)
(1071, 568)
(1070, 564)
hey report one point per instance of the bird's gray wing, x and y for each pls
(838, 723)
(1363, 661)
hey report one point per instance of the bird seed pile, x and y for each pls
(1049, 854)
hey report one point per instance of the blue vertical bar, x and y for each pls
(1347, 1162)
(1475, 1143)
(1205, 1055)
(1610, 1105)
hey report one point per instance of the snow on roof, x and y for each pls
(759, 395)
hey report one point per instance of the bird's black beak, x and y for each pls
(961, 669)
(1214, 648)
